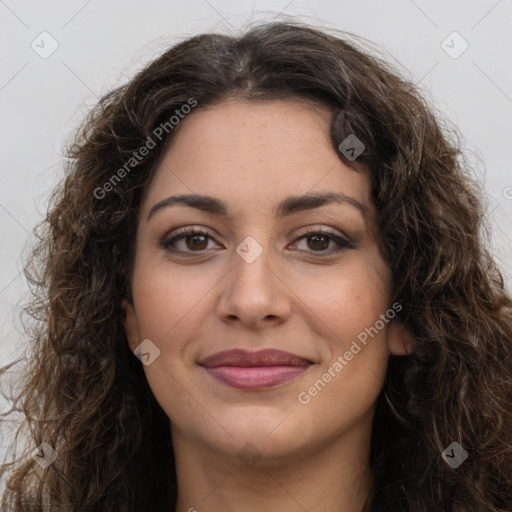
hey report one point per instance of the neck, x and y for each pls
(331, 478)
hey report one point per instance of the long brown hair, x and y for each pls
(85, 394)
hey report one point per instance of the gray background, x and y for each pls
(102, 43)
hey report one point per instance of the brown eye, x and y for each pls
(196, 242)
(187, 241)
(318, 242)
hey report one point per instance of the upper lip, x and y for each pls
(268, 357)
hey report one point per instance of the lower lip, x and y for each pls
(255, 377)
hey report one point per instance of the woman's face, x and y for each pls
(254, 280)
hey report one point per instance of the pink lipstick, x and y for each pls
(254, 370)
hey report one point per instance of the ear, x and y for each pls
(400, 340)
(130, 324)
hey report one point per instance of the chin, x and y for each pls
(267, 430)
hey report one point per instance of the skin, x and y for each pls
(312, 456)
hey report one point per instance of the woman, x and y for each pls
(262, 286)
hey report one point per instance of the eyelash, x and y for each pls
(184, 233)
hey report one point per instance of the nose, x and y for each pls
(254, 294)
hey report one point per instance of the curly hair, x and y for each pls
(85, 394)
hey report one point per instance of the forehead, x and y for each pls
(256, 153)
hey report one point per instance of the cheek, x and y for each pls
(351, 376)
(335, 406)
(172, 305)
(346, 300)
(348, 317)
(171, 302)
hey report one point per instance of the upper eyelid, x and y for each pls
(202, 230)
(186, 231)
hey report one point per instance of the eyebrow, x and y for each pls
(288, 206)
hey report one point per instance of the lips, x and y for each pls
(254, 370)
